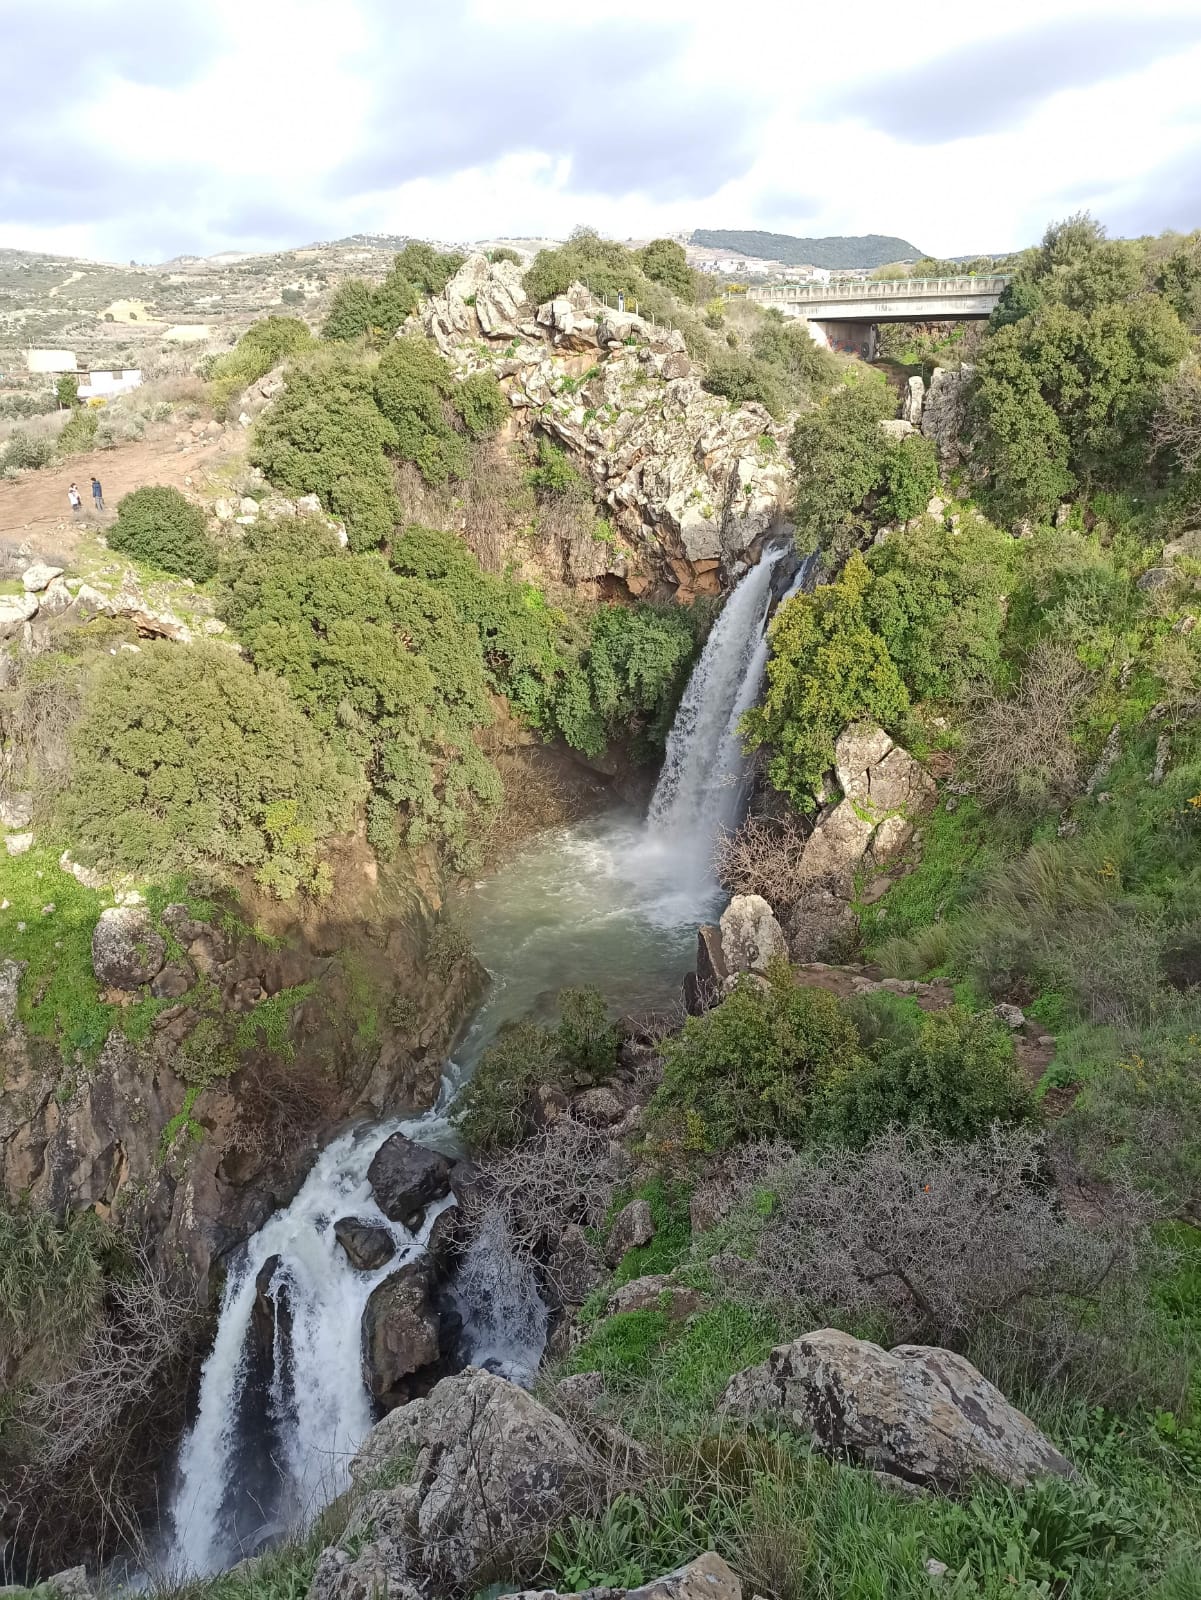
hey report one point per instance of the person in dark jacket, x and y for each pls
(97, 494)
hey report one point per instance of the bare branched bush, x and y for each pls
(762, 857)
(280, 1104)
(938, 1239)
(1176, 426)
(566, 1175)
(1018, 748)
(83, 1446)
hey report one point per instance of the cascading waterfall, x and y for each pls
(613, 901)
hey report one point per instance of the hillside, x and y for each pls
(837, 251)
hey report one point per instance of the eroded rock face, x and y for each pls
(688, 480)
(126, 949)
(400, 1332)
(406, 1177)
(944, 414)
(917, 1413)
(490, 1465)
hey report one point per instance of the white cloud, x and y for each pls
(263, 122)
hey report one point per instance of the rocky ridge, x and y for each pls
(689, 482)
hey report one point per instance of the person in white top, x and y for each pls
(74, 497)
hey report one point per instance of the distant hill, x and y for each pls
(856, 250)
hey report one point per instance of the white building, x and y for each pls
(102, 385)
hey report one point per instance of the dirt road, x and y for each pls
(34, 509)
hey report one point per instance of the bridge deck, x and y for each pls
(885, 299)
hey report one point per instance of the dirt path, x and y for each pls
(34, 509)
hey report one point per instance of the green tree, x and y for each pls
(264, 345)
(481, 406)
(413, 387)
(352, 311)
(754, 1067)
(664, 261)
(910, 477)
(839, 454)
(188, 757)
(954, 1071)
(827, 667)
(67, 391)
(606, 266)
(936, 600)
(159, 526)
(325, 435)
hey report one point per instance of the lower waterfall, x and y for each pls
(613, 901)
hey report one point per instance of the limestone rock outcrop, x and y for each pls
(916, 1412)
(751, 938)
(706, 1578)
(885, 791)
(490, 1465)
(126, 949)
(632, 1226)
(944, 413)
(688, 480)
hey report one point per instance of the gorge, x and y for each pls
(613, 900)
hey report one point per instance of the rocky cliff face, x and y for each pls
(687, 481)
(195, 1132)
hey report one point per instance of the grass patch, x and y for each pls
(673, 1230)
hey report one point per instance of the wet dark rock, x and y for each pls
(366, 1243)
(270, 1311)
(405, 1177)
(400, 1333)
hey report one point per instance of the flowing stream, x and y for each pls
(613, 901)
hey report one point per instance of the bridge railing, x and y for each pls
(879, 288)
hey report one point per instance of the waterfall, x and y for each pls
(702, 788)
(612, 901)
(246, 1468)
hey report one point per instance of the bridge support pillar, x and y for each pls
(851, 338)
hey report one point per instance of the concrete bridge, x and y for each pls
(848, 309)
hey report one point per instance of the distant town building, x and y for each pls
(50, 362)
(101, 385)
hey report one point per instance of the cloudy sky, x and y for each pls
(138, 128)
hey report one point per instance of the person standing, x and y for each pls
(97, 494)
(76, 500)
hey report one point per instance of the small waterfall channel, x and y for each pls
(613, 901)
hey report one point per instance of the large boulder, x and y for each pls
(490, 1466)
(751, 938)
(406, 1177)
(917, 1412)
(884, 790)
(705, 1578)
(39, 576)
(633, 1226)
(400, 1332)
(127, 951)
(15, 611)
(367, 1245)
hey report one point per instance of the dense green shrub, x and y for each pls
(183, 757)
(325, 435)
(493, 1111)
(839, 454)
(754, 1067)
(78, 434)
(952, 1070)
(351, 311)
(22, 450)
(605, 266)
(1068, 383)
(936, 601)
(827, 667)
(804, 368)
(386, 667)
(910, 478)
(637, 662)
(740, 378)
(413, 385)
(159, 526)
(481, 405)
(554, 476)
(66, 390)
(264, 345)
(664, 261)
